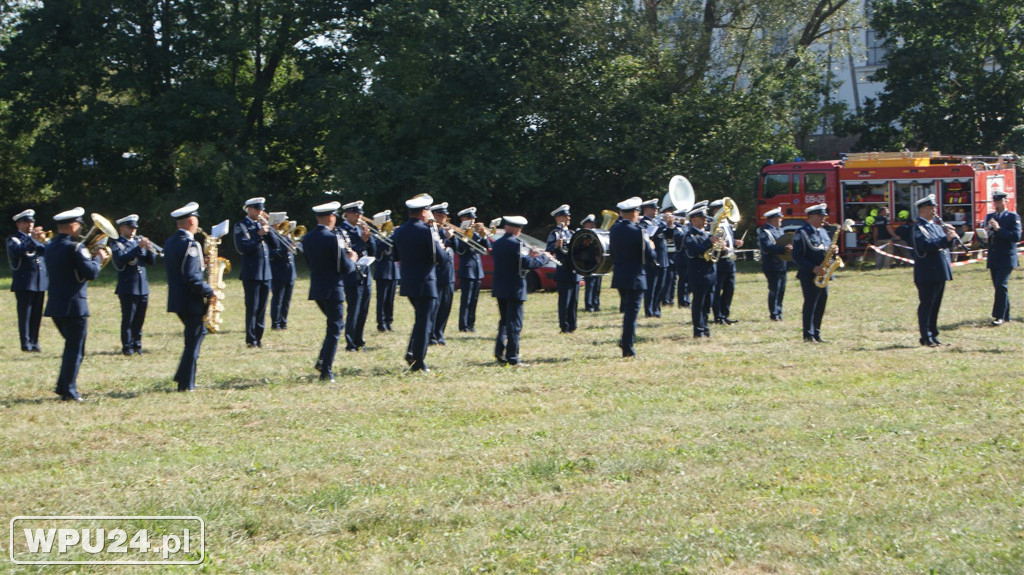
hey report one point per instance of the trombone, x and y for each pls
(467, 237)
(377, 232)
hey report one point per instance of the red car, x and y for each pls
(540, 278)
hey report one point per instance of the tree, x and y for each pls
(954, 77)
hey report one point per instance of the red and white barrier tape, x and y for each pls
(954, 264)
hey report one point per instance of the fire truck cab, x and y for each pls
(858, 185)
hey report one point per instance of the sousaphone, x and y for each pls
(680, 194)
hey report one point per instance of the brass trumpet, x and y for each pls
(467, 236)
(376, 232)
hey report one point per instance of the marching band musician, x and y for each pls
(565, 276)
(471, 271)
(591, 283)
(512, 261)
(725, 280)
(699, 271)
(1004, 231)
(357, 282)
(631, 248)
(668, 289)
(130, 256)
(445, 276)
(931, 268)
(330, 260)
(657, 265)
(681, 262)
(772, 266)
(70, 267)
(385, 275)
(25, 250)
(254, 241)
(282, 281)
(417, 248)
(187, 290)
(809, 246)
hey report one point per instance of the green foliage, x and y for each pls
(141, 105)
(954, 77)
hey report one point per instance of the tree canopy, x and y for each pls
(513, 106)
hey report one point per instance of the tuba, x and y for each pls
(729, 211)
(832, 260)
(95, 240)
(215, 270)
(680, 194)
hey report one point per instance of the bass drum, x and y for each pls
(590, 252)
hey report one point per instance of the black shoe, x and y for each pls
(730, 321)
(351, 348)
(36, 349)
(628, 354)
(471, 329)
(259, 344)
(72, 398)
(998, 321)
(719, 321)
(319, 366)
(250, 344)
(500, 359)
(389, 327)
(810, 339)
(381, 328)
(420, 366)
(777, 318)
(927, 342)
(936, 341)
(128, 351)
(327, 376)
(409, 359)
(818, 339)
(138, 351)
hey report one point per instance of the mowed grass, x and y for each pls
(751, 452)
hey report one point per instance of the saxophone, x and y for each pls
(728, 210)
(215, 271)
(832, 261)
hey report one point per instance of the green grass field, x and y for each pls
(751, 452)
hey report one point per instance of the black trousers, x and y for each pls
(668, 291)
(334, 310)
(256, 294)
(683, 287)
(725, 287)
(700, 305)
(133, 315)
(358, 299)
(568, 305)
(776, 291)
(385, 303)
(929, 297)
(629, 303)
(30, 315)
(592, 293)
(420, 337)
(652, 302)
(442, 311)
(73, 330)
(815, 299)
(1001, 283)
(194, 332)
(468, 300)
(280, 302)
(506, 344)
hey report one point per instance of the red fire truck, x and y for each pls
(856, 186)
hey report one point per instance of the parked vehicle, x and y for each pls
(540, 278)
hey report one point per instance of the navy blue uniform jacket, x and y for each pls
(416, 250)
(187, 289)
(26, 258)
(130, 261)
(328, 264)
(1002, 244)
(470, 267)
(70, 268)
(767, 239)
(931, 253)
(629, 250)
(255, 250)
(809, 245)
(510, 266)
